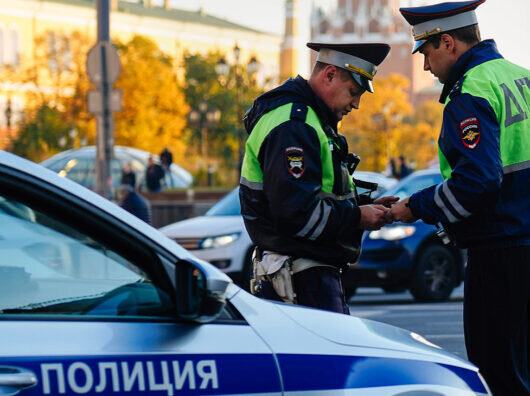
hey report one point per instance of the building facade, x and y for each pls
(371, 21)
(289, 65)
(174, 31)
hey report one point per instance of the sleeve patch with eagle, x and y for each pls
(294, 159)
(470, 132)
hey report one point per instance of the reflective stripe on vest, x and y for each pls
(506, 87)
(251, 172)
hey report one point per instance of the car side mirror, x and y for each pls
(200, 297)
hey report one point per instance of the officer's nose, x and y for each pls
(356, 102)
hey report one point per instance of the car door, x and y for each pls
(87, 306)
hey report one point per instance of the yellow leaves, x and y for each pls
(154, 106)
(387, 126)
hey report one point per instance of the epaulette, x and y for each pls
(457, 88)
(299, 111)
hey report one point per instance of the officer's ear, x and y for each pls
(329, 73)
(448, 42)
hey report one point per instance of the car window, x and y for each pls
(57, 165)
(414, 183)
(77, 169)
(49, 267)
(228, 205)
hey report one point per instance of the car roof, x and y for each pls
(89, 197)
(121, 153)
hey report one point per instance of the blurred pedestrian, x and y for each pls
(390, 170)
(134, 203)
(403, 169)
(166, 159)
(128, 176)
(154, 174)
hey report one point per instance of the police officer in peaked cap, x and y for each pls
(484, 202)
(298, 199)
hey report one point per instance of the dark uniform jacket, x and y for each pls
(138, 206)
(484, 148)
(296, 195)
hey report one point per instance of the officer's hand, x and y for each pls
(373, 217)
(401, 212)
(387, 201)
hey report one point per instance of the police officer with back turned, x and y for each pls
(484, 202)
(298, 200)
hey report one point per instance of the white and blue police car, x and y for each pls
(93, 301)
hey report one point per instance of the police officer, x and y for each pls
(297, 197)
(484, 202)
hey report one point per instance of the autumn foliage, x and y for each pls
(387, 126)
(160, 93)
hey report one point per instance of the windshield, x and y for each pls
(48, 266)
(228, 205)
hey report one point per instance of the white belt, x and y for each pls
(301, 264)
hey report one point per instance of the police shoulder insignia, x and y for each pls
(470, 132)
(294, 159)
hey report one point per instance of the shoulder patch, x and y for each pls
(470, 132)
(295, 161)
(299, 112)
(457, 88)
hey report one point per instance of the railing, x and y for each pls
(171, 206)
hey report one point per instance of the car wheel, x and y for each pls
(394, 288)
(435, 276)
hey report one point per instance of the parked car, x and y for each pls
(408, 256)
(384, 183)
(220, 236)
(79, 166)
(95, 301)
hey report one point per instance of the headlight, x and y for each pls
(218, 241)
(392, 233)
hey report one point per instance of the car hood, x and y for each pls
(353, 331)
(329, 331)
(203, 226)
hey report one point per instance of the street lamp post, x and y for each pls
(239, 87)
(222, 68)
(204, 117)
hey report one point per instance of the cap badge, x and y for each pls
(426, 34)
(358, 70)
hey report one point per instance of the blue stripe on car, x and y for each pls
(236, 373)
(309, 372)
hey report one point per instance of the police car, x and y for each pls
(94, 301)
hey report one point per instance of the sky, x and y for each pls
(507, 21)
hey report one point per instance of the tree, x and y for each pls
(154, 106)
(370, 130)
(46, 133)
(56, 72)
(386, 126)
(208, 92)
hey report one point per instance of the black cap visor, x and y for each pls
(418, 45)
(363, 82)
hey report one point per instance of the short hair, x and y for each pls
(343, 73)
(467, 34)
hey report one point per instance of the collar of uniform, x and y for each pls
(324, 113)
(482, 52)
